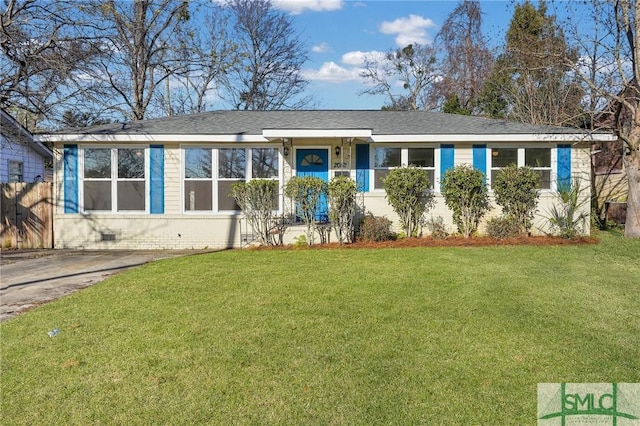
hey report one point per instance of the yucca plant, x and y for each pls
(565, 217)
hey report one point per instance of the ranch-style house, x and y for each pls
(165, 183)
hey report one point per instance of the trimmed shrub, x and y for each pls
(517, 194)
(306, 193)
(408, 191)
(257, 199)
(465, 193)
(375, 228)
(503, 227)
(341, 192)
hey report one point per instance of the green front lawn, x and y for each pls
(359, 336)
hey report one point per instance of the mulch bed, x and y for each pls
(446, 242)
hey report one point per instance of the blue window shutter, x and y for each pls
(564, 165)
(362, 167)
(446, 159)
(480, 158)
(70, 160)
(156, 190)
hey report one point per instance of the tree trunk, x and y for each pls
(632, 226)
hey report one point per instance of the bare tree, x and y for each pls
(270, 57)
(609, 67)
(138, 52)
(42, 45)
(467, 60)
(208, 53)
(412, 68)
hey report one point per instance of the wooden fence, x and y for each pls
(27, 215)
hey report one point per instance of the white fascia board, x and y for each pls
(567, 137)
(99, 138)
(316, 133)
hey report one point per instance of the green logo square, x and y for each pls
(590, 404)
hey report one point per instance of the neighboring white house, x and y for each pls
(22, 159)
(165, 183)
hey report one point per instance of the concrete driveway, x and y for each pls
(29, 278)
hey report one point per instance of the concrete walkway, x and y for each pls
(29, 278)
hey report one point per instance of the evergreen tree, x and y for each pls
(530, 81)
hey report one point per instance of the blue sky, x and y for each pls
(340, 32)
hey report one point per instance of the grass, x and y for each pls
(362, 336)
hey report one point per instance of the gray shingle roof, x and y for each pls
(380, 123)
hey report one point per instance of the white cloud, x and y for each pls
(320, 48)
(296, 7)
(409, 30)
(332, 72)
(357, 57)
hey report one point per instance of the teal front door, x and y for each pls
(315, 162)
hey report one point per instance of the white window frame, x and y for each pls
(10, 176)
(521, 162)
(404, 162)
(114, 179)
(215, 172)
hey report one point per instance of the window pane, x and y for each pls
(232, 163)
(197, 195)
(15, 171)
(131, 163)
(537, 157)
(387, 157)
(225, 201)
(265, 163)
(197, 163)
(378, 176)
(545, 179)
(97, 163)
(97, 195)
(131, 195)
(421, 157)
(502, 157)
(312, 160)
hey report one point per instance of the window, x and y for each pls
(109, 188)
(386, 158)
(264, 163)
(539, 159)
(209, 174)
(15, 171)
(198, 182)
(232, 166)
(423, 158)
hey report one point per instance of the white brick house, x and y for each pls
(165, 183)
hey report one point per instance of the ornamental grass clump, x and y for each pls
(409, 193)
(466, 195)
